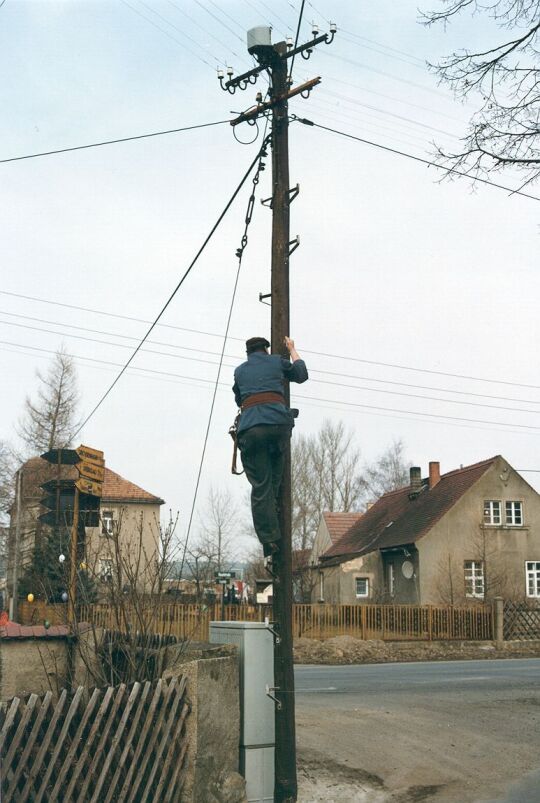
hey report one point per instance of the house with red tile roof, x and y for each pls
(128, 516)
(331, 528)
(467, 535)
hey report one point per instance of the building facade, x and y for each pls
(464, 536)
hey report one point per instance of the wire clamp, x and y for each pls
(268, 202)
(270, 626)
(262, 296)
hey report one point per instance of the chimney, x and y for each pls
(434, 474)
(416, 481)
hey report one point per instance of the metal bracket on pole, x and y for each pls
(293, 193)
(294, 243)
(262, 296)
(272, 631)
(269, 690)
(268, 202)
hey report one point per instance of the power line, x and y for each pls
(317, 381)
(300, 15)
(166, 33)
(306, 351)
(174, 292)
(113, 141)
(418, 415)
(452, 170)
(240, 255)
(236, 357)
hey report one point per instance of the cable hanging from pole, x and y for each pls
(172, 295)
(239, 253)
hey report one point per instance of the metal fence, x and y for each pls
(322, 621)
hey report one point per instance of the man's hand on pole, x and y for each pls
(289, 343)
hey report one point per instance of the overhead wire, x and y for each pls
(173, 294)
(181, 32)
(240, 254)
(206, 31)
(166, 33)
(494, 425)
(219, 21)
(236, 357)
(331, 356)
(299, 25)
(112, 141)
(450, 170)
(333, 383)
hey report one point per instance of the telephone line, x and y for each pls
(452, 170)
(113, 141)
(236, 357)
(176, 289)
(419, 415)
(318, 381)
(307, 351)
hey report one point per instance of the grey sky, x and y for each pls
(394, 266)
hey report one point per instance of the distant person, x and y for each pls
(265, 429)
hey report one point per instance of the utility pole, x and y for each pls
(285, 788)
(274, 60)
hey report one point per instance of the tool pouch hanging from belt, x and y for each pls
(266, 397)
(233, 432)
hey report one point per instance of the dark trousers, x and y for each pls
(262, 449)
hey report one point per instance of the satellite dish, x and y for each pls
(407, 569)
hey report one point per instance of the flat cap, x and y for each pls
(256, 344)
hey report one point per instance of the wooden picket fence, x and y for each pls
(321, 621)
(521, 620)
(126, 744)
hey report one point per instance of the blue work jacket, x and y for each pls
(261, 373)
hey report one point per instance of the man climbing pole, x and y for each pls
(265, 428)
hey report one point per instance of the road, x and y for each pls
(460, 731)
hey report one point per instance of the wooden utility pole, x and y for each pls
(273, 59)
(285, 788)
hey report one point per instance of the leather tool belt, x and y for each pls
(266, 397)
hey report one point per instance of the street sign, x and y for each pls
(225, 575)
(51, 485)
(68, 457)
(89, 487)
(59, 503)
(89, 455)
(91, 471)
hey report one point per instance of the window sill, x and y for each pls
(505, 527)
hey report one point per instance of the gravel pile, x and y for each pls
(348, 650)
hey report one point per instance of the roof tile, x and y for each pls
(337, 524)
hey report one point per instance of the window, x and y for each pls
(390, 579)
(105, 570)
(514, 513)
(107, 522)
(321, 586)
(492, 512)
(532, 571)
(474, 578)
(362, 587)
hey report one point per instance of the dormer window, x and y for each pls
(492, 512)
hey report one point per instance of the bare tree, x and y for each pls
(7, 477)
(389, 471)
(51, 419)
(219, 524)
(505, 130)
(326, 476)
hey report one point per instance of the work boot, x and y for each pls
(270, 548)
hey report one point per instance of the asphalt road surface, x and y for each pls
(460, 731)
